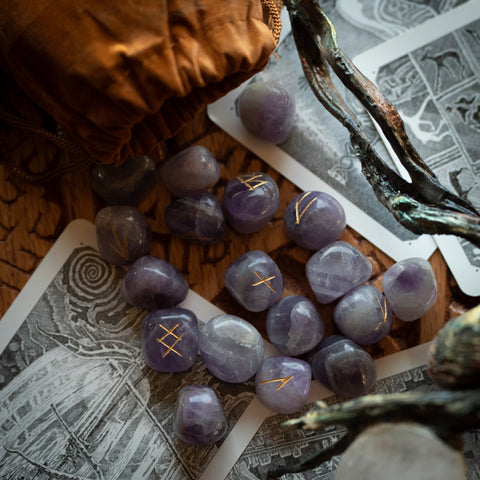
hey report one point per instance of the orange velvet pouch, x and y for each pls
(120, 76)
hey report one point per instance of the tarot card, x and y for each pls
(77, 400)
(318, 154)
(431, 74)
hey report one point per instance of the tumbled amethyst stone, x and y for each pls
(193, 170)
(336, 269)
(343, 367)
(231, 348)
(152, 283)
(198, 218)
(125, 184)
(363, 315)
(410, 287)
(250, 201)
(254, 281)
(123, 234)
(314, 219)
(282, 383)
(294, 325)
(199, 417)
(170, 339)
(267, 110)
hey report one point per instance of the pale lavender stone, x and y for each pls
(199, 417)
(410, 287)
(254, 281)
(198, 218)
(336, 269)
(193, 170)
(343, 366)
(170, 339)
(123, 234)
(364, 315)
(294, 325)
(153, 283)
(250, 201)
(267, 110)
(314, 219)
(125, 184)
(282, 383)
(231, 348)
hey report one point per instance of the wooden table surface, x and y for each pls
(33, 215)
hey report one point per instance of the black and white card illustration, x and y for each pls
(318, 154)
(432, 76)
(77, 401)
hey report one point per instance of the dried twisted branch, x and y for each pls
(422, 206)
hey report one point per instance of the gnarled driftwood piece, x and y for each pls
(422, 206)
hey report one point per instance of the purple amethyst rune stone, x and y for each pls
(254, 281)
(343, 367)
(231, 348)
(198, 218)
(251, 200)
(125, 184)
(267, 110)
(123, 234)
(282, 383)
(199, 417)
(364, 315)
(410, 287)
(193, 170)
(170, 339)
(314, 219)
(152, 283)
(336, 269)
(294, 325)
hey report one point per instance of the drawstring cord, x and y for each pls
(85, 159)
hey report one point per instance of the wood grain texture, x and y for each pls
(33, 216)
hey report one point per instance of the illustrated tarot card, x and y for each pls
(76, 399)
(431, 74)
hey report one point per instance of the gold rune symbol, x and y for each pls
(283, 381)
(265, 281)
(299, 214)
(383, 307)
(253, 182)
(170, 348)
(122, 250)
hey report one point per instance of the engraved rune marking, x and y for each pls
(265, 281)
(170, 348)
(383, 307)
(283, 381)
(253, 182)
(122, 250)
(299, 214)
